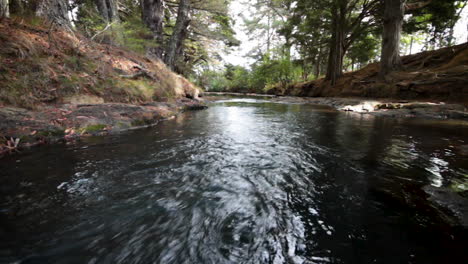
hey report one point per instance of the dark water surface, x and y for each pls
(246, 181)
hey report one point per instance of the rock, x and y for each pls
(462, 115)
(83, 99)
(362, 107)
(51, 124)
(450, 201)
(463, 150)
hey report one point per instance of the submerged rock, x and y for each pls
(449, 201)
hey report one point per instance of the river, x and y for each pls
(245, 181)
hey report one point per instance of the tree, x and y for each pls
(435, 15)
(436, 18)
(4, 9)
(108, 10)
(392, 25)
(179, 33)
(16, 7)
(349, 20)
(55, 11)
(265, 22)
(152, 13)
(337, 47)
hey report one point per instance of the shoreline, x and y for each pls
(371, 106)
(22, 129)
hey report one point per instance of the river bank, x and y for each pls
(61, 90)
(21, 128)
(369, 106)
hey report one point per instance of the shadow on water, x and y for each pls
(246, 181)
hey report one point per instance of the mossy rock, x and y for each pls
(142, 122)
(52, 133)
(93, 128)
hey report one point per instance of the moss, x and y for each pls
(93, 128)
(140, 122)
(460, 185)
(52, 133)
(122, 125)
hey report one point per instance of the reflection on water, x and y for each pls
(246, 181)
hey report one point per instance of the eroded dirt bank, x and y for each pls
(57, 85)
(436, 75)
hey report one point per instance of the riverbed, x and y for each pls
(249, 180)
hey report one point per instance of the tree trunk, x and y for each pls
(152, 13)
(317, 63)
(180, 50)
(108, 10)
(16, 7)
(411, 46)
(4, 9)
(177, 37)
(392, 25)
(56, 11)
(337, 51)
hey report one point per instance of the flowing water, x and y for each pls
(246, 181)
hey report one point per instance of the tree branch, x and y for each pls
(416, 5)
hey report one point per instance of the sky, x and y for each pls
(237, 56)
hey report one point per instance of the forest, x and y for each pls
(297, 41)
(302, 41)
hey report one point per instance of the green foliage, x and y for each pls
(213, 81)
(263, 75)
(364, 49)
(271, 72)
(436, 19)
(136, 36)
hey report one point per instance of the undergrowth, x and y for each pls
(37, 67)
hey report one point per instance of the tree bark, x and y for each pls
(4, 9)
(392, 25)
(108, 10)
(178, 35)
(16, 7)
(318, 63)
(152, 13)
(180, 49)
(337, 51)
(56, 11)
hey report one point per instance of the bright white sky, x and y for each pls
(238, 56)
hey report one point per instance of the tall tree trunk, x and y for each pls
(152, 13)
(337, 51)
(318, 62)
(4, 9)
(411, 46)
(180, 50)
(177, 37)
(108, 10)
(392, 25)
(56, 11)
(16, 7)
